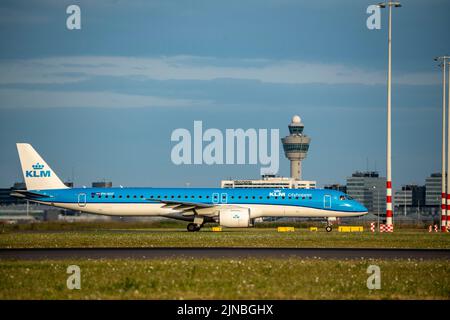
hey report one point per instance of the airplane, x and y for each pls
(234, 208)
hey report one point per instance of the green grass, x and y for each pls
(161, 224)
(90, 225)
(402, 238)
(225, 279)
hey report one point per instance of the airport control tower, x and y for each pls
(296, 146)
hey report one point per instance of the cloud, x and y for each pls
(78, 68)
(17, 98)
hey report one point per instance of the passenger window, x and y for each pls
(128, 195)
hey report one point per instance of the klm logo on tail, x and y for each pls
(37, 172)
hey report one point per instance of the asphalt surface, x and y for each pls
(151, 253)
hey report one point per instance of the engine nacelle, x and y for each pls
(235, 218)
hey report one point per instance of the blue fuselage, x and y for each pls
(322, 199)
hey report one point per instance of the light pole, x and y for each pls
(444, 177)
(404, 207)
(389, 210)
(378, 206)
(418, 211)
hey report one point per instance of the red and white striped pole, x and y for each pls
(445, 217)
(443, 170)
(389, 211)
(445, 202)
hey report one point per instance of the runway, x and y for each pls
(222, 252)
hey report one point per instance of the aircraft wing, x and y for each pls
(187, 207)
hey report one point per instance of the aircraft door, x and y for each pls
(215, 198)
(82, 199)
(327, 201)
(224, 197)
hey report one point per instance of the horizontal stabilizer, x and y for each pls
(27, 194)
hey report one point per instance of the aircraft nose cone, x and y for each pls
(363, 209)
(360, 208)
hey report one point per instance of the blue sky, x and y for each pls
(103, 101)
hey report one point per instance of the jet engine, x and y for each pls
(235, 217)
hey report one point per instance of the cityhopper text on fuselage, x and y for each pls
(227, 207)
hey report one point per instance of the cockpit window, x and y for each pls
(345, 197)
(342, 198)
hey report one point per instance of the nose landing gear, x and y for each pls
(330, 221)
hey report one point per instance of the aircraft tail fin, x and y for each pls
(36, 172)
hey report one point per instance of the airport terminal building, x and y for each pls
(270, 181)
(369, 189)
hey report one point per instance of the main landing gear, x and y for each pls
(197, 224)
(192, 227)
